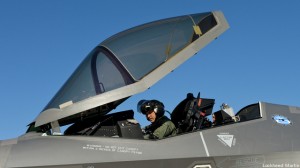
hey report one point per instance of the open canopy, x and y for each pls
(128, 63)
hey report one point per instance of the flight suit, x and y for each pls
(161, 128)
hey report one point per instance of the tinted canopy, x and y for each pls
(130, 62)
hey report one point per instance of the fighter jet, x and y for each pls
(259, 135)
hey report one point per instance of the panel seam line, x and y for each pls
(204, 144)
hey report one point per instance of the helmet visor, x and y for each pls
(144, 106)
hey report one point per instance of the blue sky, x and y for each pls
(42, 42)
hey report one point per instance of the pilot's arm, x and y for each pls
(165, 130)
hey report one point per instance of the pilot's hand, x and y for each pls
(143, 131)
(146, 130)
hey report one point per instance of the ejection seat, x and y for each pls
(190, 114)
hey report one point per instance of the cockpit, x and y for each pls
(188, 116)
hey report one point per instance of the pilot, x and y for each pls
(161, 126)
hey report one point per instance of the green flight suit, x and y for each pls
(161, 128)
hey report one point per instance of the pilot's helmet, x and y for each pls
(145, 106)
